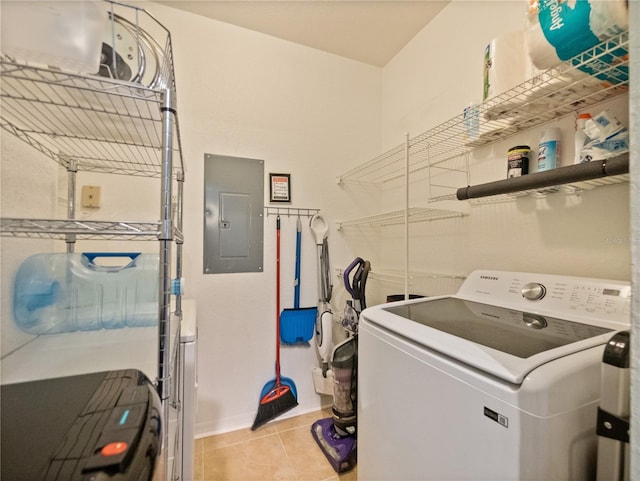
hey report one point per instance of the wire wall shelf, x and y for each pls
(376, 171)
(423, 283)
(550, 95)
(397, 217)
(394, 277)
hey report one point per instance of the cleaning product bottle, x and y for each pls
(549, 149)
(580, 138)
(471, 122)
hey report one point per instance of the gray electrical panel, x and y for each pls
(233, 214)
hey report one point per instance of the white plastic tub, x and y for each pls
(63, 34)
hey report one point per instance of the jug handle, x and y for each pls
(92, 256)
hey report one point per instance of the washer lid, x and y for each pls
(507, 343)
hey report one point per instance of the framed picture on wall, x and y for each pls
(280, 187)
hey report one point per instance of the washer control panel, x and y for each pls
(563, 296)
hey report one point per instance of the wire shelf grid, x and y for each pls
(85, 229)
(551, 94)
(97, 122)
(397, 217)
(422, 283)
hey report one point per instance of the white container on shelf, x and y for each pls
(580, 138)
(63, 34)
(549, 149)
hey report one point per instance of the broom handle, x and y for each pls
(278, 301)
(296, 284)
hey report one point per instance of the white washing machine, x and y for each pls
(499, 382)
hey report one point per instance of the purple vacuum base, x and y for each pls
(339, 450)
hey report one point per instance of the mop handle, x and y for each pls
(278, 301)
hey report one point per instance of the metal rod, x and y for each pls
(164, 294)
(406, 216)
(634, 202)
(72, 171)
(113, 43)
(563, 175)
(179, 217)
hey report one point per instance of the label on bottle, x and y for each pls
(548, 155)
(518, 161)
(471, 123)
(566, 26)
(486, 85)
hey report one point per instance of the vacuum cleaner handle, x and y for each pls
(347, 272)
(319, 227)
(363, 284)
(328, 287)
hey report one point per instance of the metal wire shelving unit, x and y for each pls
(114, 123)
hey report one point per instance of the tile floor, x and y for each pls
(282, 450)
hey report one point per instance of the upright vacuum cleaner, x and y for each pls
(337, 435)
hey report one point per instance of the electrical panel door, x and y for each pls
(233, 214)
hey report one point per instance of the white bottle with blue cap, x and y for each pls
(549, 149)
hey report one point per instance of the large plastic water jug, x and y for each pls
(57, 293)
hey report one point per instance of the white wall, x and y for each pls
(305, 112)
(32, 195)
(431, 81)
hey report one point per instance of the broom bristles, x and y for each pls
(278, 401)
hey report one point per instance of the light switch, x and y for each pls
(91, 196)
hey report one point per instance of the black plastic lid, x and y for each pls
(617, 351)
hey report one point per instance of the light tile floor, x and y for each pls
(282, 450)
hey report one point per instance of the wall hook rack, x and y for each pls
(290, 211)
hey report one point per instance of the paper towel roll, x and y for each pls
(505, 65)
(559, 30)
(542, 54)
